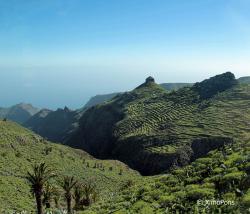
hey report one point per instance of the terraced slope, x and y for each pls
(21, 148)
(152, 130)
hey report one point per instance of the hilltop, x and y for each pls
(153, 130)
(19, 113)
(21, 148)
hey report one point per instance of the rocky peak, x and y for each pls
(214, 85)
(150, 80)
(66, 109)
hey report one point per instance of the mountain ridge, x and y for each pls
(152, 129)
(18, 113)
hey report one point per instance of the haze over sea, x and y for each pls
(62, 52)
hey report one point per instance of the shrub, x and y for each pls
(195, 192)
(246, 200)
(18, 154)
(166, 200)
(142, 207)
(155, 194)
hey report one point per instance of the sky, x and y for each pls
(56, 53)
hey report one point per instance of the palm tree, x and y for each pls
(49, 193)
(67, 185)
(90, 194)
(78, 194)
(39, 176)
(57, 197)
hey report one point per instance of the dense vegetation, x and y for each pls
(152, 130)
(217, 183)
(21, 149)
(223, 174)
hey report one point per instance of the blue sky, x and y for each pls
(60, 52)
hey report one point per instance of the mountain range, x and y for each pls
(23, 113)
(19, 113)
(168, 121)
(193, 144)
(58, 125)
(110, 124)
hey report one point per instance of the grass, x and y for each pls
(21, 148)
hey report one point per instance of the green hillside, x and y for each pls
(153, 130)
(21, 149)
(222, 175)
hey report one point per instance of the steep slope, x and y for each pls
(21, 148)
(19, 113)
(54, 125)
(152, 130)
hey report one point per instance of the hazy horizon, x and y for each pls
(57, 53)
